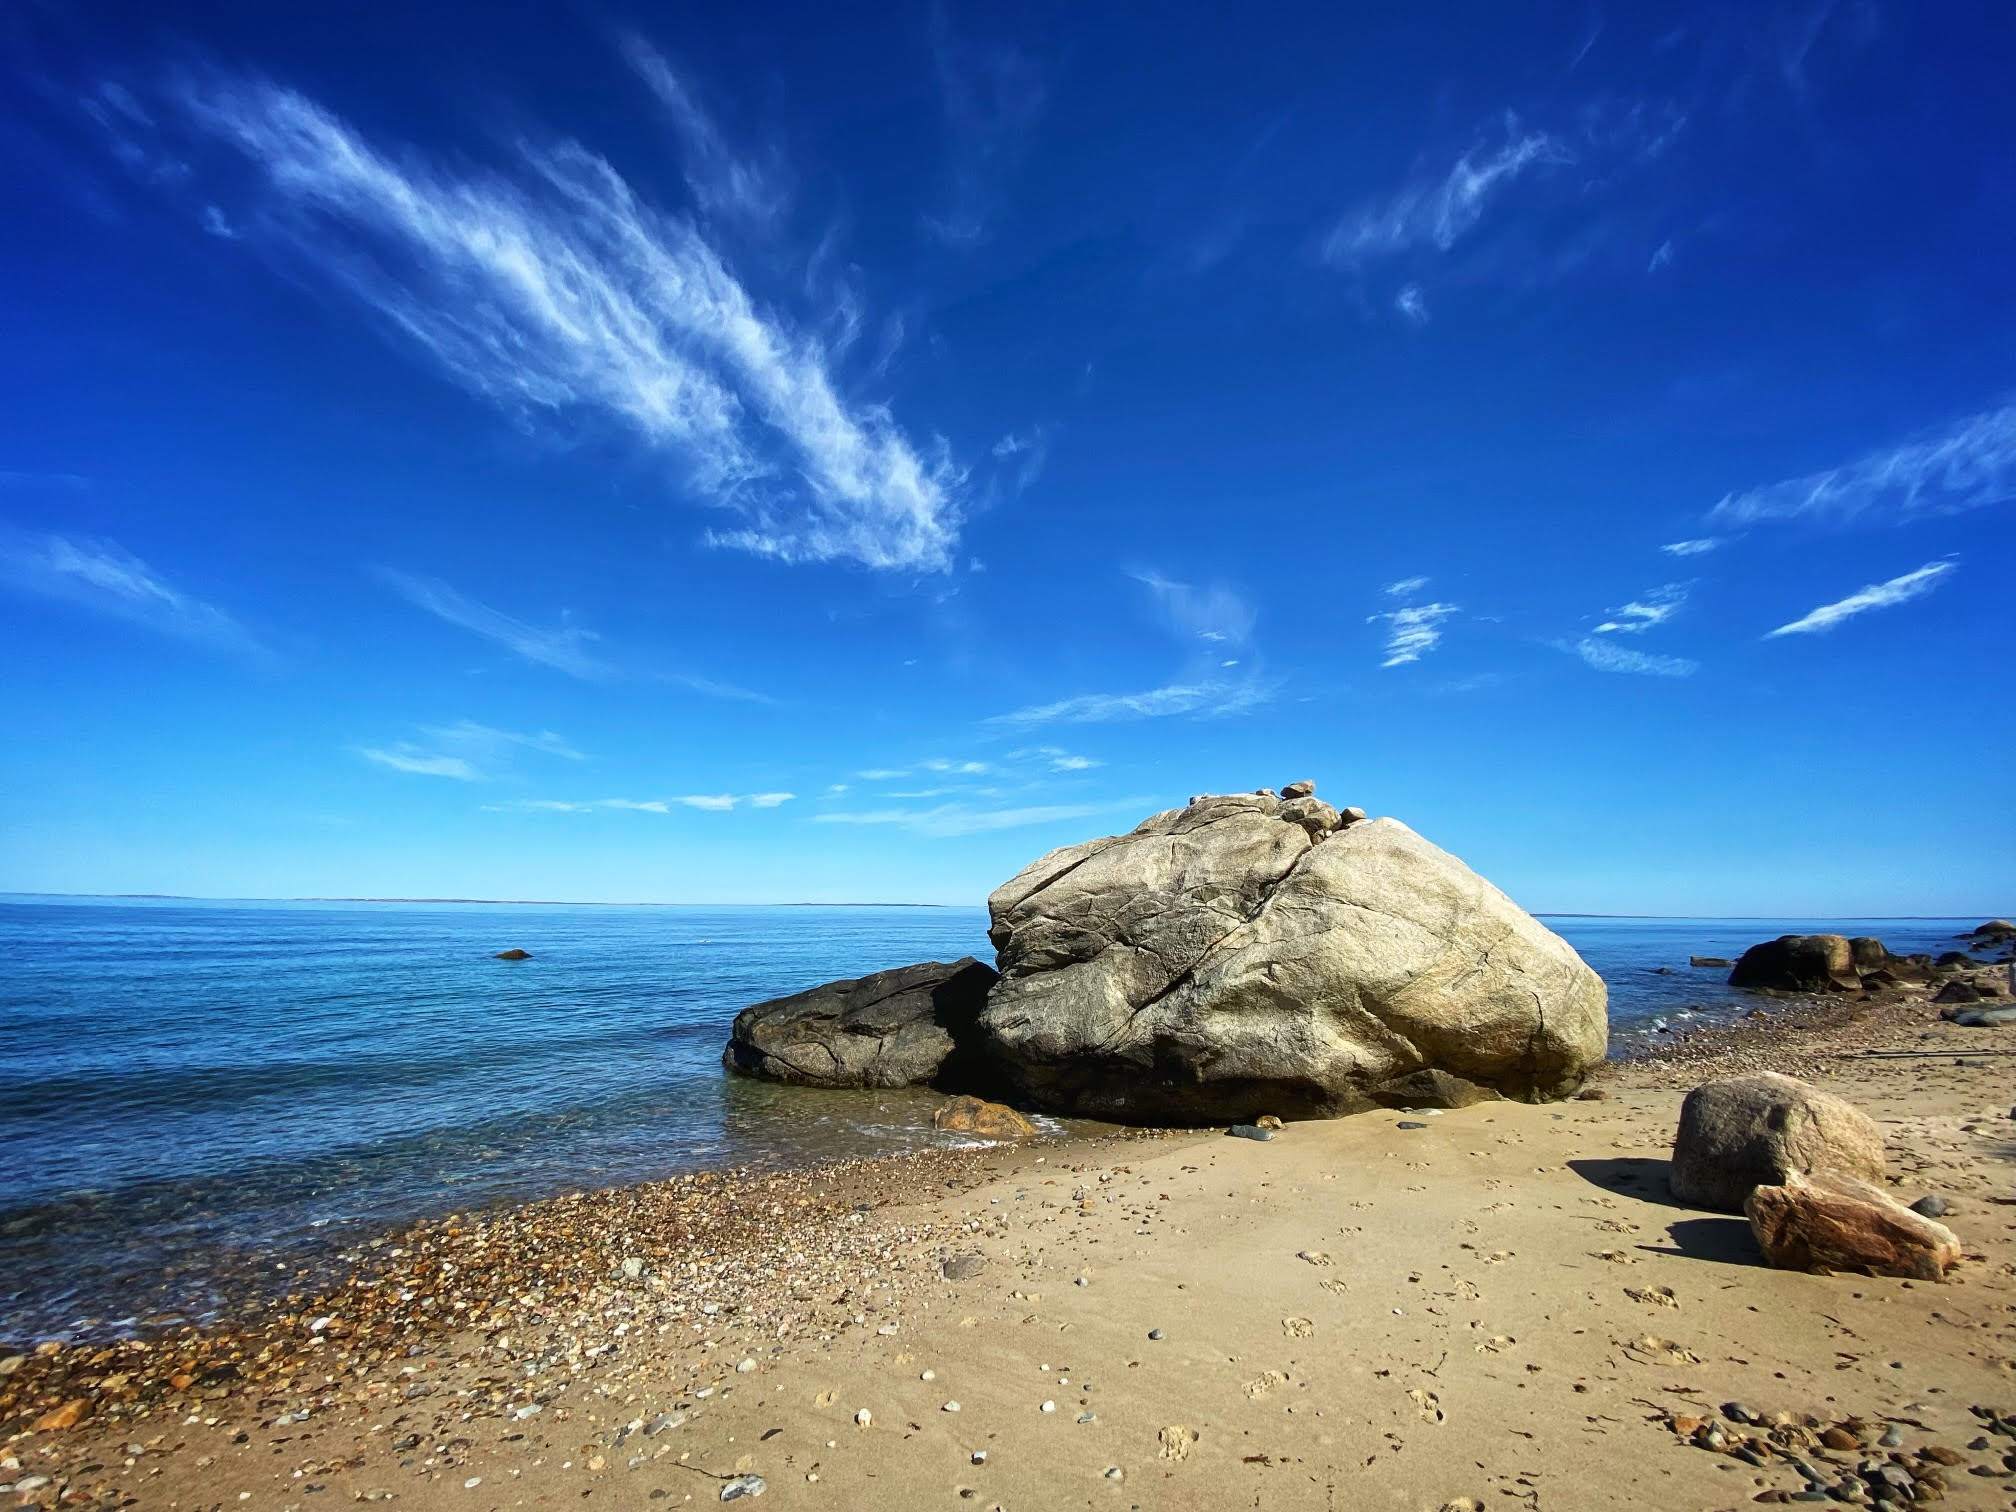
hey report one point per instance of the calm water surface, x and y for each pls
(196, 1089)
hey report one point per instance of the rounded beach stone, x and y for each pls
(1762, 1130)
(977, 1116)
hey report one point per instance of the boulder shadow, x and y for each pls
(1630, 1176)
(1725, 1241)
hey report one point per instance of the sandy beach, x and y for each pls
(1500, 1304)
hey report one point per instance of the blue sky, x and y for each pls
(814, 454)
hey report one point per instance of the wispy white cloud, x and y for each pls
(1413, 631)
(466, 750)
(1073, 763)
(713, 803)
(953, 819)
(1206, 622)
(1656, 607)
(1406, 587)
(105, 578)
(723, 181)
(1412, 303)
(1969, 464)
(562, 648)
(1213, 614)
(1438, 205)
(466, 733)
(1202, 698)
(1023, 455)
(563, 290)
(422, 763)
(1898, 590)
(1699, 546)
(1608, 656)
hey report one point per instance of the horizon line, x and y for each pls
(1537, 913)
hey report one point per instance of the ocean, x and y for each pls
(197, 1094)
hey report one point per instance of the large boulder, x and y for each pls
(1827, 1222)
(1763, 1130)
(1247, 955)
(1800, 963)
(896, 1028)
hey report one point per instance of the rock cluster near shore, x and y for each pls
(1248, 954)
(1803, 1166)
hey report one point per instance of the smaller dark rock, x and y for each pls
(1592, 1094)
(1407, 1123)
(1799, 963)
(1959, 992)
(1299, 790)
(1709, 961)
(1933, 1206)
(1985, 1018)
(1955, 960)
(1250, 1131)
(964, 1267)
(512, 955)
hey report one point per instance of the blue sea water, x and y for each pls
(194, 1089)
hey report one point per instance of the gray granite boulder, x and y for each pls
(1763, 1130)
(1246, 955)
(898, 1028)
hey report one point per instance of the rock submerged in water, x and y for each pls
(900, 1028)
(1247, 954)
(983, 1119)
(1764, 1130)
(512, 955)
(1826, 963)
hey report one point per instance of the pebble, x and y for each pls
(1933, 1206)
(1114, 1472)
(745, 1485)
(864, 1418)
(1048, 1407)
(472, 1483)
(979, 1456)
(744, 1367)
(1250, 1131)
(929, 1375)
(1154, 1333)
(949, 1407)
(1892, 1438)
(1408, 1123)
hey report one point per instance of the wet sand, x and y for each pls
(1502, 1305)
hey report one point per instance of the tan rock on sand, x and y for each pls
(1763, 1130)
(987, 1120)
(1245, 955)
(1828, 1221)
